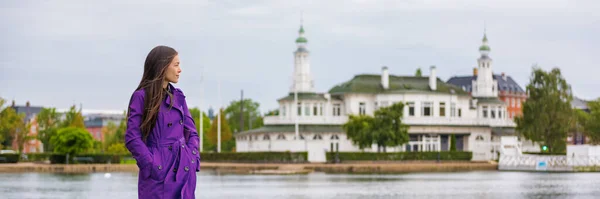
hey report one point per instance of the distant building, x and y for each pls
(35, 145)
(435, 111)
(95, 123)
(509, 91)
(211, 114)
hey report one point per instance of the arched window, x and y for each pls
(335, 137)
(317, 137)
(266, 137)
(281, 137)
(479, 138)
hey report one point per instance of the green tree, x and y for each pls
(206, 144)
(118, 148)
(205, 120)
(384, 129)
(419, 73)
(110, 135)
(72, 140)
(13, 127)
(359, 130)
(48, 121)
(5, 124)
(389, 129)
(251, 114)
(592, 122)
(452, 142)
(226, 135)
(73, 118)
(547, 114)
(273, 112)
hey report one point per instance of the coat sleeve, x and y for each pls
(190, 125)
(133, 135)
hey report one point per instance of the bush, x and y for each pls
(256, 157)
(72, 140)
(9, 158)
(400, 156)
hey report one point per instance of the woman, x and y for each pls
(161, 133)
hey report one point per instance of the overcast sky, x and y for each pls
(59, 53)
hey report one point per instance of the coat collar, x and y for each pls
(177, 96)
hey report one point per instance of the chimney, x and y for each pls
(385, 78)
(13, 103)
(503, 76)
(432, 79)
(474, 71)
(27, 104)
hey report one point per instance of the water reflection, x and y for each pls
(317, 185)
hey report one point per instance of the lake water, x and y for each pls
(316, 185)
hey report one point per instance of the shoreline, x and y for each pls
(267, 168)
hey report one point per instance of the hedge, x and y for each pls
(255, 157)
(56, 158)
(9, 158)
(399, 156)
(544, 153)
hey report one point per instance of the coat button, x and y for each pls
(182, 146)
(180, 121)
(192, 161)
(159, 167)
(194, 152)
(170, 147)
(187, 168)
(175, 170)
(170, 124)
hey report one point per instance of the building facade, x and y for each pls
(97, 122)
(33, 145)
(434, 110)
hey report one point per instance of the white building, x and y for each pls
(434, 111)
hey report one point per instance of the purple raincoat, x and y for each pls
(169, 159)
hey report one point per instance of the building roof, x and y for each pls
(503, 85)
(369, 83)
(580, 104)
(291, 129)
(304, 96)
(488, 100)
(29, 111)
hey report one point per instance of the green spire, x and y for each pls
(301, 38)
(484, 46)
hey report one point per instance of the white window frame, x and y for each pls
(427, 105)
(337, 109)
(411, 105)
(484, 111)
(442, 109)
(362, 108)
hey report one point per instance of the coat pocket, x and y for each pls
(157, 168)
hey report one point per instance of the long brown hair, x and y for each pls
(156, 64)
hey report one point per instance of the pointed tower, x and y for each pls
(484, 85)
(302, 80)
